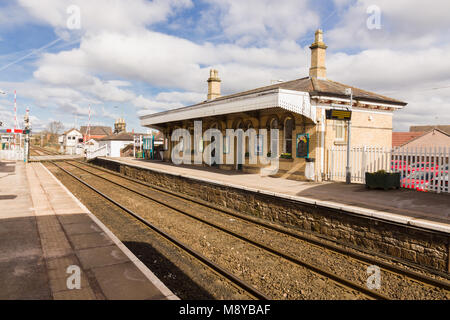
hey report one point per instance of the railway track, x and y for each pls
(410, 275)
(384, 265)
(351, 286)
(38, 151)
(205, 261)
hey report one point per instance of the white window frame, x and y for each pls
(339, 125)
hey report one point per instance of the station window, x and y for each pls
(339, 127)
(288, 128)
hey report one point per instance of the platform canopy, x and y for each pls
(293, 101)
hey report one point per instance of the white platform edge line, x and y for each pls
(138, 263)
(386, 216)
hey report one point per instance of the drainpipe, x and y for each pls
(348, 173)
(322, 143)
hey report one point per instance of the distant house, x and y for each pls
(96, 132)
(401, 138)
(444, 128)
(116, 142)
(435, 138)
(71, 142)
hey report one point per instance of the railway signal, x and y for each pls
(26, 131)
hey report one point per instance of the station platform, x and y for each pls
(48, 237)
(425, 210)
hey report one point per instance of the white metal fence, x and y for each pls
(12, 155)
(423, 169)
(100, 152)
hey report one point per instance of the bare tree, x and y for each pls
(55, 127)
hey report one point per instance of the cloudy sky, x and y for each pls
(131, 57)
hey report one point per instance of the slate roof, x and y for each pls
(97, 130)
(323, 87)
(314, 86)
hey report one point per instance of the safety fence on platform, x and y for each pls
(422, 169)
(100, 152)
(12, 155)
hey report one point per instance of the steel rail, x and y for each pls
(357, 256)
(341, 281)
(47, 152)
(216, 268)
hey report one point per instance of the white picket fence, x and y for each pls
(423, 169)
(12, 155)
(100, 152)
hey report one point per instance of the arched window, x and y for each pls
(274, 123)
(288, 132)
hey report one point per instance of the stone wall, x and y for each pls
(423, 247)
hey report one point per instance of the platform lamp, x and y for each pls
(348, 171)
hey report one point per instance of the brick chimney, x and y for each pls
(213, 84)
(318, 55)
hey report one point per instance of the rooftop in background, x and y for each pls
(66, 132)
(97, 130)
(401, 138)
(426, 128)
(128, 136)
(433, 138)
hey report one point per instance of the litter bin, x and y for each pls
(309, 170)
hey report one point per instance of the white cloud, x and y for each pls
(256, 21)
(256, 42)
(405, 24)
(98, 15)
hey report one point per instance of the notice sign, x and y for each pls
(336, 114)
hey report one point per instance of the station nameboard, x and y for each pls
(336, 114)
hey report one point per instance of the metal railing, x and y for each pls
(100, 152)
(422, 169)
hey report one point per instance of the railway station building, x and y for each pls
(298, 109)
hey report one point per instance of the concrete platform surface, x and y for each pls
(47, 238)
(421, 209)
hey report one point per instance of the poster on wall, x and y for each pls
(302, 143)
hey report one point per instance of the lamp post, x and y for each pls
(348, 173)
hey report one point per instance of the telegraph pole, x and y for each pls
(348, 171)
